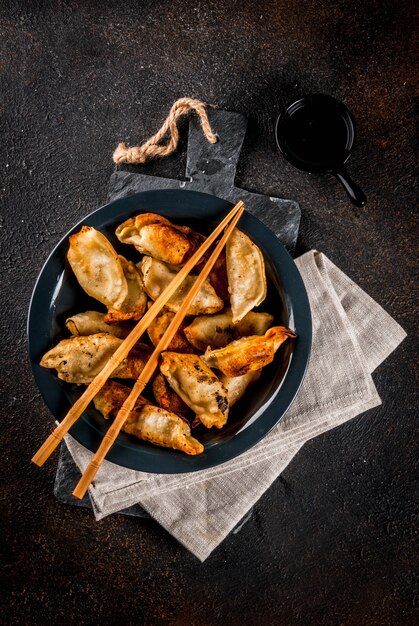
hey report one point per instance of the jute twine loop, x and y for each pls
(153, 148)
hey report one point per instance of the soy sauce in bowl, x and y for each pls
(316, 134)
(306, 139)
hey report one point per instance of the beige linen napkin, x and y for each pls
(352, 335)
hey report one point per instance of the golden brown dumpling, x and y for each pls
(92, 322)
(97, 267)
(218, 330)
(158, 327)
(135, 303)
(158, 275)
(218, 277)
(246, 274)
(80, 359)
(198, 387)
(167, 398)
(158, 426)
(148, 422)
(249, 353)
(237, 385)
(155, 236)
(112, 396)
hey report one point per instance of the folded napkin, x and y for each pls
(352, 335)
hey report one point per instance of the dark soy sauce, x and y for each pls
(316, 134)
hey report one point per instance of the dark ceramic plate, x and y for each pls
(57, 296)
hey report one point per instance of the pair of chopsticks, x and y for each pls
(121, 353)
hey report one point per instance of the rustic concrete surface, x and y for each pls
(331, 541)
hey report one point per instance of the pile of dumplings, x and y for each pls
(218, 351)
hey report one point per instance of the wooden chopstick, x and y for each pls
(121, 353)
(115, 428)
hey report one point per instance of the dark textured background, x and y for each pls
(332, 541)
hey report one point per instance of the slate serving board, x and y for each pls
(210, 168)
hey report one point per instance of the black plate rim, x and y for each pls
(127, 456)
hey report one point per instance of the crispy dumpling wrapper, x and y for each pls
(158, 426)
(135, 303)
(148, 422)
(156, 236)
(97, 267)
(92, 322)
(168, 399)
(112, 396)
(216, 331)
(157, 276)
(246, 274)
(79, 359)
(198, 387)
(158, 327)
(236, 385)
(249, 353)
(218, 277)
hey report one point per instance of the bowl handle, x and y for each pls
(354, 192)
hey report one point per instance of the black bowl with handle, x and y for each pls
(317, 134)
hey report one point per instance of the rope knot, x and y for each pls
(153, 147)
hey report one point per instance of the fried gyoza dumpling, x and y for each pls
(157, 276)
(249, 353)
(198, 387)
(107, 276)
(112, 396)
(80, 359)
(158, 426)
(92, 322)
(237, 385)
(97, 267)
(167, 398)
(219, 330)
(158, 327)
(154, 235)
(246, 274)
(134, 305)
(148, 422)
(218, 277)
